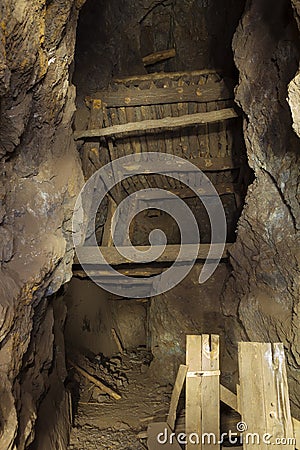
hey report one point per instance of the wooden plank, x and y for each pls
(202, 163)
(163, 75)
(167, 123)
(185, 192)
(210, 394)
(229, 398)
(180, 379)
(156, 57)
(96, 382)
(117, 191)
(264, 399)
(193, 412)
(90, 255)
(102, 273)
(107, 239)
(159, 96)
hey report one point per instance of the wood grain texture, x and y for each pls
(159, 124)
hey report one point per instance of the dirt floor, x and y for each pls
(101, 422)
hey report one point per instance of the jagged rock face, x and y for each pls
(263, 291)
(41, 177)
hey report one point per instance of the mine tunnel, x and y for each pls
(149, 224)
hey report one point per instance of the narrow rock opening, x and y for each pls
(137, 343)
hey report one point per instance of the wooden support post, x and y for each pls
(203, 392)
(264, 397)
(107, 239)
(211, 390)
(180, 379)
(193, 413)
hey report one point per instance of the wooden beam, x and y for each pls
(133, 272)
(163, 75)
(211, 91)
(168, 123)
(206, 164)
(211, 390)
(193, 404)
(156, 57)
(180, 379)
(90, 255)
(185, 192)
(228, 397)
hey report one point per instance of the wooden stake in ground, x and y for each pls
(96, 382)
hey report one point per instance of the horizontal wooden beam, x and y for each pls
(211, 91)
(90, 255)
(162, 75)
(168, 123)
(185, 192)
(206, 164)
(148, 271)
(156, 57)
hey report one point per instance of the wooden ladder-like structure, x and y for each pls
(186, 114)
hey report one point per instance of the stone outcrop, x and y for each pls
(263, 291)
(40, 178)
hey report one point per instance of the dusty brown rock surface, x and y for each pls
(40, 178)
(263, 292)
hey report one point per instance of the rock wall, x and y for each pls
(263, 291)
(40, 178)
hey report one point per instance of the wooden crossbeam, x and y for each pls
(90, 255)
(185, 192)
(211, 91)
(167, 123)
(206, 164)
(163, 75)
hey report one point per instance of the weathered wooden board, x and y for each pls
(156, 57)
(184, 192)
(159, 124)
(264, 398)
(135, 97)
(193, 408)
(210, 391)
(163, 75)
(90, 255)
(228, 397)
(180, 379)
(231, 399)
(202, 163)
